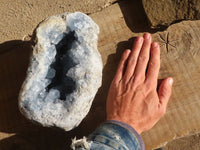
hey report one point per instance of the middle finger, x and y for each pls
(143, 57)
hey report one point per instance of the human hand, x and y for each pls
(133, 96)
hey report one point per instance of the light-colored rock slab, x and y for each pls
(65, 71)
(165, 12)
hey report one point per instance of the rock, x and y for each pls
(180, 59)
(166, 12)
(65, 71)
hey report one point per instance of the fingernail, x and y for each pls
(128, 51)
(139, 39)
(155, 45)
(147, 36)
(171, 81)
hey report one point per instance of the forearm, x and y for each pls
(114, 135)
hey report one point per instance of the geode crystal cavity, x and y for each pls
(65, 71)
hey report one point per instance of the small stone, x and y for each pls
(166, 12)
(65, 71)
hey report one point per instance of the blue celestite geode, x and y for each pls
(65, 71)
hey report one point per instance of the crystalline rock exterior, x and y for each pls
(65, 71)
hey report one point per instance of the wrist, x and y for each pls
(125, 125)
(119, 132)
(135, 127)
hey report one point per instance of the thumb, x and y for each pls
(165, 90)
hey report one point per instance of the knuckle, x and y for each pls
(137, 79)
(115, 82)
(132, 60)
(149, 89)
(163, 111)
(154, 64)
(124, 56)
(143, 58)
(149, 85)
(166, 91)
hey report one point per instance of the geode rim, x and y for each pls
(65, 71)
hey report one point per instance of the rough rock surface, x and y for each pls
(165, 12)
(65, 71)
(180, 59)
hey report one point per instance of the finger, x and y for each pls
(153, 65)
(164, 91)
(122, 65)
(143, 57)
(133, 58)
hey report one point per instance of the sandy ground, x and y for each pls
(18, 19)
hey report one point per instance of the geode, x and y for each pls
(65, 71)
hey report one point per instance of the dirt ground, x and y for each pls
(18, 19)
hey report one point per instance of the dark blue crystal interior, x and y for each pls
(63, 62)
